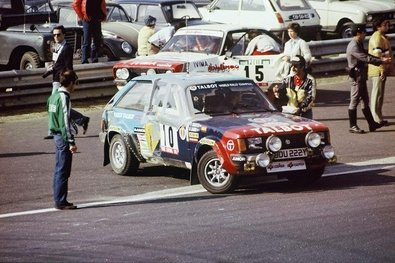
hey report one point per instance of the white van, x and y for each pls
(274, 15)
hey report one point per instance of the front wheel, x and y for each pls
(30, 60)
(212, 176)
(123, 161)
(346, 30)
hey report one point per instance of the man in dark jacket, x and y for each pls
(62, 59)
(358, 59)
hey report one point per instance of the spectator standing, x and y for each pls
(299, 88)
(379, 46)
(357, 60)
(59, 123)
(91, 13)
(62, 59)
(293, 47)
(144, 47)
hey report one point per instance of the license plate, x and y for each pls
(299, 16)
(290, 153)
(285, 166)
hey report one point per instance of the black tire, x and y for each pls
(346, 30)
(212, 176)
(122, 160)
(108, 55)
(30, 60)
(308, 178)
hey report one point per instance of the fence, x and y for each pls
(26, 88)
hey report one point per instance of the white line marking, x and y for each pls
(331, 170)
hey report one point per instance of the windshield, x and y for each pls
(208, 44)
(235, 97)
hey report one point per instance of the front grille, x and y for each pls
(74, 38)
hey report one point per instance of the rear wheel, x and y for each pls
(30, 60)
(346, 30)
(123, 161)
(212, 176)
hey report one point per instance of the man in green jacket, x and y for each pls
(59, 106)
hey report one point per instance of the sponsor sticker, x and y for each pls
(230, 145)
(285, 166)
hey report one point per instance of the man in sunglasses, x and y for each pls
(62, 59)
(298, 90)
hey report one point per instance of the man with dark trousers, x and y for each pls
(62, 59)
(357, 60)
(59, 123)
(91, 13)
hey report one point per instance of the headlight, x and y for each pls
(126, 47)
(151, 71)
(328, 152)
(262, 160)
(254, 143)
(273, 143)
(313, 139)
(122, 73)
(369, 18)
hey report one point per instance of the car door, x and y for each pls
(164, 121)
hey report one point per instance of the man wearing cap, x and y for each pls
(357, 60)
(143, 45)
(299, 88)
(379, 46)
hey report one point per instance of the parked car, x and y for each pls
(26, 34)
(119, 33)
(273, 15)
(220, 127)
(338, 16)
(227, 55)
(166, 12)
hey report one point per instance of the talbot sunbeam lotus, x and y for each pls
(221, 127)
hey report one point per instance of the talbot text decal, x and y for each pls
(204, 86)
(279, 128)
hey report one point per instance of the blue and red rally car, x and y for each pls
(220, 127)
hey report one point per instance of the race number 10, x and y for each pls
(256, 74)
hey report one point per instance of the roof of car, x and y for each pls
(150, 1)
(221, 27)
(188, 79)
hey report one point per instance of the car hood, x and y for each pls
(260, 124)
(126, 30)
(365, 6)
(165, 60)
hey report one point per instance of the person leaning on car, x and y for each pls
(91, 13)
(357, 60)
(144, 47)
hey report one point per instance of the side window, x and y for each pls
(138, 97)
(118, 15)
(131, 10)
(152, 10)
(227, 5)
(164, 101)
(253, 5)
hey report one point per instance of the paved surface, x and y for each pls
(348, 216)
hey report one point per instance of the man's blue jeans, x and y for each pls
(63, 158)
(91, 29)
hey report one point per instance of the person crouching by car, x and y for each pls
(299, 89)
(144, 47)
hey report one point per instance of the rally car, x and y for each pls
(226, 53)
(220, 127)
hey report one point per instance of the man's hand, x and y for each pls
(73, 148)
